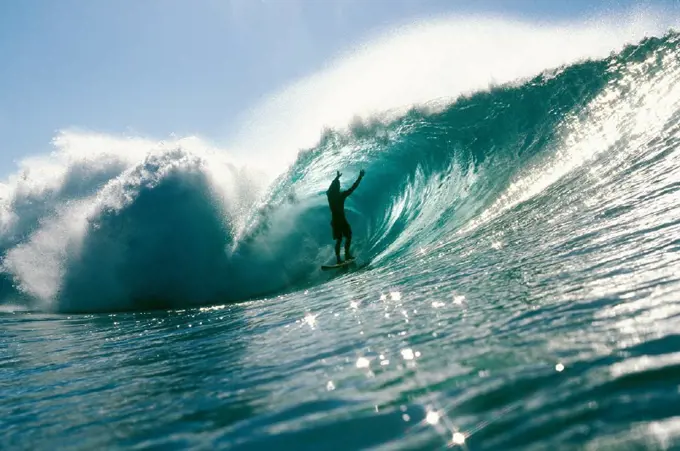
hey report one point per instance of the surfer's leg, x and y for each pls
(337, 236)
(337, 249)
(348, 242)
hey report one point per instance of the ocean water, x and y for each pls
(517, 285)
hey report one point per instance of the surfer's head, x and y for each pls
(335, 187)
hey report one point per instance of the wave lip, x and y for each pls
(431, 63)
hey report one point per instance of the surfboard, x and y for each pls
(338, 265)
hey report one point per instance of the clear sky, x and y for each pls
(155, 67)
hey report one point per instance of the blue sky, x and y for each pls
(155, 67)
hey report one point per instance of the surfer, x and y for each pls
(341, 228)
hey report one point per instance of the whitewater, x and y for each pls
(518, 238)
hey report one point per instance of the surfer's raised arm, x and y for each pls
(355, 185)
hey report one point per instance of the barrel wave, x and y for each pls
(108, 224)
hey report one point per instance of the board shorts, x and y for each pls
(341, 229)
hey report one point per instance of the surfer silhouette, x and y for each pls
(336, 201)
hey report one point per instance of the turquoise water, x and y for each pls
(517, 285)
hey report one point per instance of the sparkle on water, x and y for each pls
(310, 320)
(458, 438)
(363, 362)
(407, 354)
(432, 417)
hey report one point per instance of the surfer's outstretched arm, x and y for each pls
(355, 185)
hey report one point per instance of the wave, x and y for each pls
(147, 224)
(107, 224)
